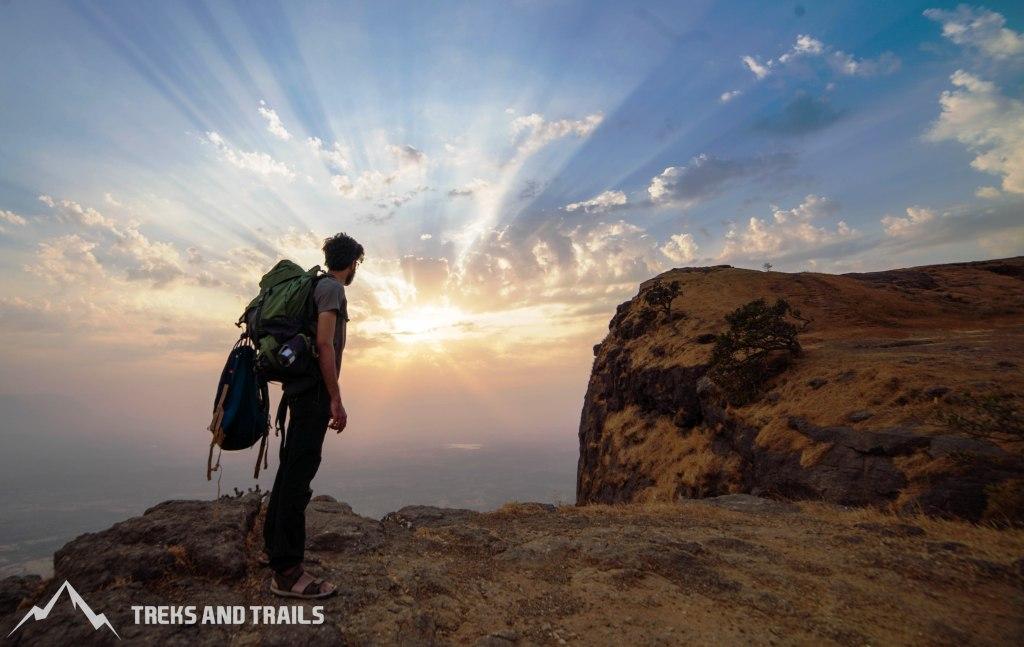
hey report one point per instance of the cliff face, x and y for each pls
(735, 570)
(860, 417)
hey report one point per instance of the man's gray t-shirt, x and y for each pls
(329, 295)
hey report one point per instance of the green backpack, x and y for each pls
(281, 323)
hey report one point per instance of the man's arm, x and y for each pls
(325, 325)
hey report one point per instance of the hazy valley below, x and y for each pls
(58, 485)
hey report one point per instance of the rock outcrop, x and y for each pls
(736, 569)
(857, 418)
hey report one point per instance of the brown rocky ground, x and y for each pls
(855, 419)
(730, 570)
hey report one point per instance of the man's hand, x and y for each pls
(339, 417)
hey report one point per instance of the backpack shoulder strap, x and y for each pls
(311, 309)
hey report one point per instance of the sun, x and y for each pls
(429, 324)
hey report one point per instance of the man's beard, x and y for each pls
(348, 281)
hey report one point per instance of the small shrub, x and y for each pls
(760, 338)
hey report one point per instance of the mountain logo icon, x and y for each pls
(35, 613)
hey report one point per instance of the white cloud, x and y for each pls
(258, 163)
(274, 125)
(343, 185)
(70, 211)
(532, 132)
(557, 262)
(849, 65)
(604, 201)
(155, 261)
(395, 200)
(809, 47)
(988, 123)
(67, 258)
(917, 218)
(760, 70)
(988, 192)
(474, 187)
(614, 251)
(705, 175)
(680, 248)
(388, 188)
(111, 200)
(11, 218)
(425, 236)
(337, 156)
(407, 155)
(812, 208)
(979, 28)
(127, 248)
(368, 185)
(788, 230)
(729, 96)
(804, 46)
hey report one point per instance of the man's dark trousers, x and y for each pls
(284, 531)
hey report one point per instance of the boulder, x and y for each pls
(174, 536)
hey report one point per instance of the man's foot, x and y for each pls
(297, 583)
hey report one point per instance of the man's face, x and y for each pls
(352, 274)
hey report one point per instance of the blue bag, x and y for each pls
(241, 408)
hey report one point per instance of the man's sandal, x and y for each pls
(305, 587)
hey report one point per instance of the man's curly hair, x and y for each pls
(341, 250)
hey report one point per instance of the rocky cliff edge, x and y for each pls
(733, 570)
(859, 417)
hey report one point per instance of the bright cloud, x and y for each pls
(11, 218)
(407, 155)
(400, 180)
(125, 247)
(680, 248)
(809, 47)
(604, 201)
(274, 125)
(66, 258)
(337, 156)
(612, 252)
(729, 96)
(471, 188)
(917, 218)
(980, 29)
(532, 132)
(368, 185)
(251, 161)
(989, 123)
(812, 208)
(788, 230)
(759, 69)
(705, 176)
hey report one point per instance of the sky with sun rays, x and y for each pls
(513, 169)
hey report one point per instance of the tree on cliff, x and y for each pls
(761, 339)
(661, 295)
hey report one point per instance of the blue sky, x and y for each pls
(514, 169)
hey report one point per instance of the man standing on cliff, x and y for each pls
(311, 412)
